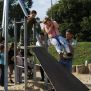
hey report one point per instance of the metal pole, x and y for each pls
(15, 50)
(51, 10)
(25, 51)
(3, 20)
(6, 4)
(22, 5)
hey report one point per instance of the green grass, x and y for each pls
(82, 53)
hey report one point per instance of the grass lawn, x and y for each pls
(82, 53)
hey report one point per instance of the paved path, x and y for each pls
(84, 78)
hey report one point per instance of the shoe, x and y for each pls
(2, 84)
(69, 54)
(11, 81)
(42, 80)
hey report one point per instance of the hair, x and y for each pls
(46, 19)
(2, 39)
(37, 18)
(70, 31)
(18, 50)
(1, 47)
(41, 33)
(12, 45)
(33, 12)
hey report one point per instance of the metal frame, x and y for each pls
(22, 5)
(25, 51)
(15, 50)
(5, 28)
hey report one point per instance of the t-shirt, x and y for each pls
(38, 28)
(72, 43)
(54, 30)
(30, 24)
(19, 60)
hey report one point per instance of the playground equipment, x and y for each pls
(5, 30)
(23, 7)
(59, 77)
(25, 50)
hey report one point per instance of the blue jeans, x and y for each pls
(60, 43)
(67, 63)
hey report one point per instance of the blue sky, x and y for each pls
(41, 6)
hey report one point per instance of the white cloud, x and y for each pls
(41, 6)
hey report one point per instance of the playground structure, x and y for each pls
(5, 32)
(56, 82)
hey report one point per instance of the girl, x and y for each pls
(52, 29)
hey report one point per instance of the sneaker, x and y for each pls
(69, 54)
(2, 84)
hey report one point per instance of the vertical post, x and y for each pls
(3, 17)
(51, 10)
(3, 20)
(25, 51)
(15, 50)
(34, 69)
(6, 6)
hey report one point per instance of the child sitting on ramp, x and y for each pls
(52, 29)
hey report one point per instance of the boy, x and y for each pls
(67, 60)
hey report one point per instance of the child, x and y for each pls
(11, 61)
(41, 41)
(19, 62)
(1, 65)
(67, 60)
(52, 29)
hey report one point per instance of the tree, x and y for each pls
(14, 9)
(15, 12)
(70, 14)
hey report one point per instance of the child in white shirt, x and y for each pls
(19, 63)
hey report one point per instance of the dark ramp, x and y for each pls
(59, 77)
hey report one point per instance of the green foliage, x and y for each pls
(85, 33)
(53, 52)
(73, 14)
(81, 54)
(14, 9)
